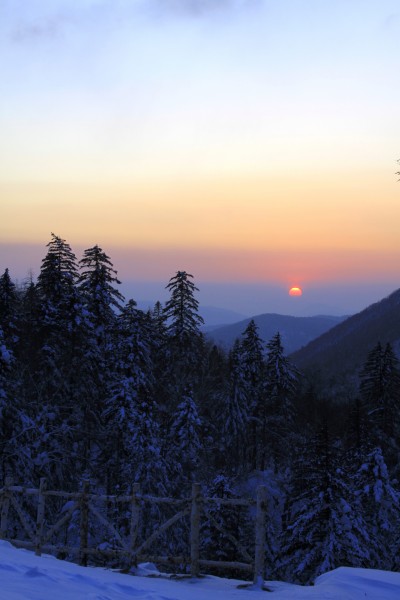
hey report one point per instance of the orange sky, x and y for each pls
(293, 230)
(241, 141)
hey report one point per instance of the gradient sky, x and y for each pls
(245, 141)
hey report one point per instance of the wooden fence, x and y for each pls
(38, 533)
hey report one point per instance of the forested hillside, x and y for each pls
(93, 388)
(342, 350)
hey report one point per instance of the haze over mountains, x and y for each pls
(332, 346)
(295, 331)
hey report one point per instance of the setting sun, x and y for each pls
(295, 291)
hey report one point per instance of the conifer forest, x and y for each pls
(92, 388)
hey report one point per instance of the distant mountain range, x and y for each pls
(342, 350)
(295, 331)
(213, 316)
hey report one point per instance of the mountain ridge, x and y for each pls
(295, 331)
(343, 349)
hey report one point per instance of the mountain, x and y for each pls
(216, 317)
(213, 316)
(295, 331)
(342, 350)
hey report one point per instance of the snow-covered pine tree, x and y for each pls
(102, 302)
(223, 525)
(9, 308)
(380, 396)
(233, 412)
(210, 394)
(250, 371)
(324, 529)
(160, 360)
(97, 283)
(184, 443)
(276, 411)
(181, 310)
(58, 325)
(185, 340)
(8, 413)
(379, 502)
(134, 446)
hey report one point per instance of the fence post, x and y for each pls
(195, 530)
(260, 537)
(135, 519)
(5, 505)
(40, 516)
(84, 525)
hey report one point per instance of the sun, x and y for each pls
(295, 291)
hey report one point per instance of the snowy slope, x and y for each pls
(23, 576)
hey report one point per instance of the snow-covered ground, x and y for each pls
(24, 576)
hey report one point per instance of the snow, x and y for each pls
(25, 576)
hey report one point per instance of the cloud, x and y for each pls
(198, 8)
(193, 7)
(392, 23)
(47, 28)
(46, 20)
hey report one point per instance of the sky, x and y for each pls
(252, 143)
(29, 577)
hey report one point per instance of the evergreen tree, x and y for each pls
(223, 526)
(160, 359)
(9, 305)
(210, 399)
(57, 316)
(379, 502)
(97, 284)
(276, 413)
(380, 396)
(250, 361)
(324, 528)
(233, 414)
(185, 441)
(101, 301)
(185, 340)
(184, 355)
(181, 310)
(133, 450)
(8, 412)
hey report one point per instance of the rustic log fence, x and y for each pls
(38, 533)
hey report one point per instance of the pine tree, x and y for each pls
(133, 448)
(210, 397)
(223, 524)
(181, 310)
(185, 445)
(276, 411)
(324, 528)
(160, 360)
(102, 301)
(233, 413)
(185, 340)
(379, 502)
(97, 284)
(380, 396)
(9, 305)
(184, 351)
(58, 323)
(250, 361)
(8, 412)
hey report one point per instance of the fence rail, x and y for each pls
(38, 532)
